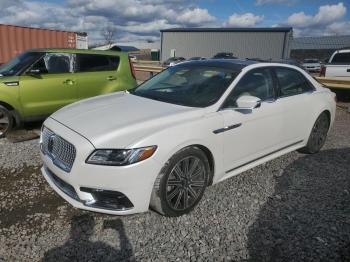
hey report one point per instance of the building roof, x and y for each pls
(237, 29)
(321, 42)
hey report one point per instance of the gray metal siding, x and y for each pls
(264, 45)
(321, 42)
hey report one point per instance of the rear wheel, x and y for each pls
(318, 135)
(181, 184)
(6, 121)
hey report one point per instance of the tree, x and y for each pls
(108, 33)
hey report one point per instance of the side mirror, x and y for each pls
(248, 102)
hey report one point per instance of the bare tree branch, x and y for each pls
(109, 33)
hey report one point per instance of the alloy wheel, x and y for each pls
(186, 183)
(319, 132)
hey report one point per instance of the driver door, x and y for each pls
(251, 134)
(48, 85)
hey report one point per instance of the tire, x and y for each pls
(318, 135)
(6, 121)
(181, 183)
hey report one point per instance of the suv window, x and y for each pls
(54, 63)
(95, 63)
(291, 82)
(342, 58)
(258, 83)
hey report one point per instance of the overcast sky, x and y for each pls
(142, 19)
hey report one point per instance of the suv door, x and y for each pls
(48, 85)
(249, 135)
(340, 65)
(294, 93)
(96, 74)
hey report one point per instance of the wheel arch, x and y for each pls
(328, 113)
(205, 149)
(13, 111)
(210, 158)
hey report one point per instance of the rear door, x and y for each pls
(51, 87)
(294, 96)
(96, 74)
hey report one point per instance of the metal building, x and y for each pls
(320, 47)
(264, 43)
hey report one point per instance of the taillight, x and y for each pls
(133, 73)
(323, 71)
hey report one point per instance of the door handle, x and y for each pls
(111, 78)
(69, 82)
(226, 128)
(14, 83)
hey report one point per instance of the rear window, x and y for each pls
(96, 63)
(341, 58)
(291, 82)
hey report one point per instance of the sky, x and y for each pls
(141, 20)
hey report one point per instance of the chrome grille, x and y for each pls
(61, 152)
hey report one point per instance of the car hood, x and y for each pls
(120, 119)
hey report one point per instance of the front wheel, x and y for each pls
(318, 135)
(181, 183)
(6, 121)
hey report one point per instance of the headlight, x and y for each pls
(120, 157)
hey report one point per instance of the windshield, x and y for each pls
(19, 63)
(188, 85)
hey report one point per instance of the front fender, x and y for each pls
(195, 132)
(9, 95)
(9, 99)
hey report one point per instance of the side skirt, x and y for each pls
(265, 158)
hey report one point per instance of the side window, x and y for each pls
(341, 58)
(291, 82)
(95, 63)
(54, 63)
(258, 83)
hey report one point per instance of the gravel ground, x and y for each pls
(294, 208)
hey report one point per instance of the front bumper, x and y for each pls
(105, 189)
(313, 69)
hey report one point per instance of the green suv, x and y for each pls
(38, 82)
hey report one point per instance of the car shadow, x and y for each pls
(79, 247)
(308, 217)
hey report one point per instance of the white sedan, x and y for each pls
(193, 125)
(312, 65)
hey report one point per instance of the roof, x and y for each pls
(321, 42)
(75, 51)
(228, 63)
(122, 47)
(236, 29)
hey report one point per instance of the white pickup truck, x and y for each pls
(338, 65)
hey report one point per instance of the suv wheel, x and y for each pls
(6, 121)
(181, 183)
